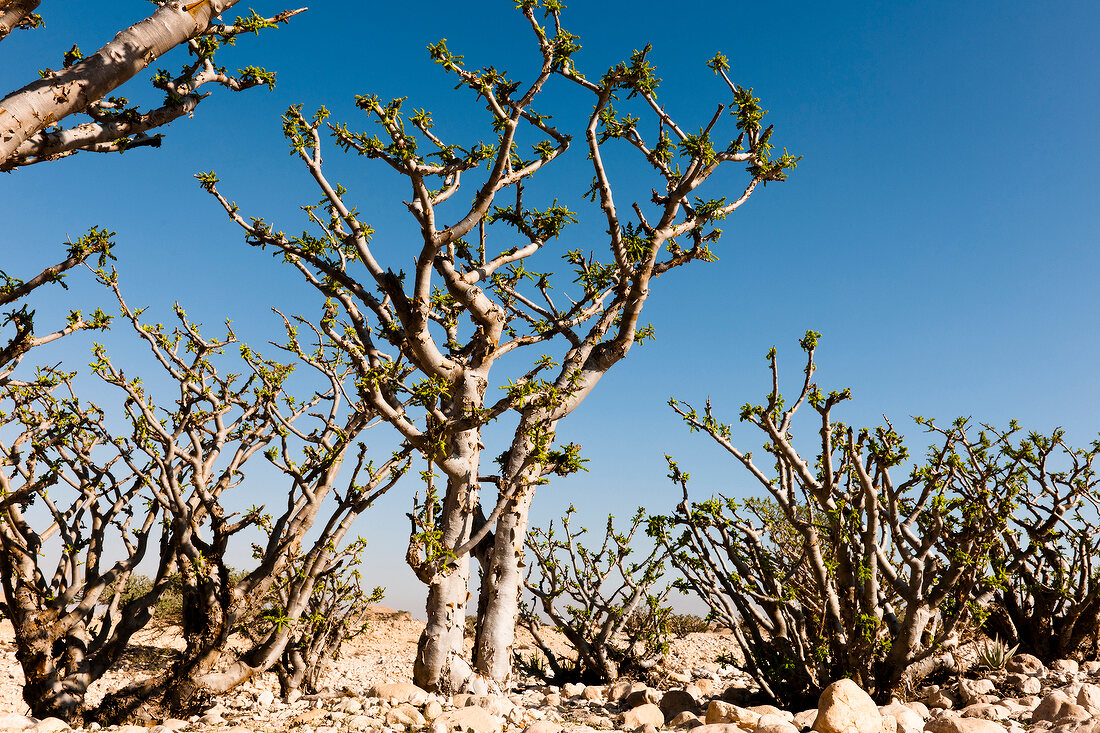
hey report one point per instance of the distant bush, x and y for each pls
(612, 619)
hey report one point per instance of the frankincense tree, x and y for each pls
(159, 489)
(424, 341)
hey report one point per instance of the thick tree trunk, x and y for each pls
(440, 664)
(28, 111)
(500, 590)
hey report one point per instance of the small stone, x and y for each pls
(543, 726)
(593, 692)
(971, 690)
(1064, 666)
(685, 720)
(962, 725)
(432, 710)
(1052, 706)
(1088, 697)
(50, 725)
(472, 719)
(726, 712)
(397, 692)
(309, 716)
(644, 696)
(771, 723)
(264, 699)
(647, 714)
(675, 702)
(845, 708)
(15, 722)
(572, 689)
(1025, 664)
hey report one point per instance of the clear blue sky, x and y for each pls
(941, 230)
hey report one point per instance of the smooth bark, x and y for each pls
(28, 111)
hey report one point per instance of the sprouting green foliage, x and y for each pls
(612, 617)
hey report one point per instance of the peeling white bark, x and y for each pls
(44, 102)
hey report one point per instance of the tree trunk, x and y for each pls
(440, 664)
(500, 591)
(28, 111)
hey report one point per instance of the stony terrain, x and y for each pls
(368, 689)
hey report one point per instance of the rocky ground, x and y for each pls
(368, 689)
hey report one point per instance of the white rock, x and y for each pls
(907, 719)
(954, 724)
(845, 708)
(15, 722)
(472, 719)
(771, 723)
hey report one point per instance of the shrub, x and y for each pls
(613, 621)
(843, 570)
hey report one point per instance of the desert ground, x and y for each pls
(369, 689)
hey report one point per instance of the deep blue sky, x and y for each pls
(941, 230)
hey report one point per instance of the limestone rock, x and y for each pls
(971, 690)
(593, 692)
(647, 714)
(644, 696)
(772, 723)
(472, 719)
(685, 720)
(1088, 697)
(1064, 666)
(845, 708)
(543, 726)
(908, 720)
(726, 712)
(1025, 664)
(675, 702)
(962, 725)
(14, 722)
(1025, 684)
(1052, 707)
(50, 725)
(398, 692)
